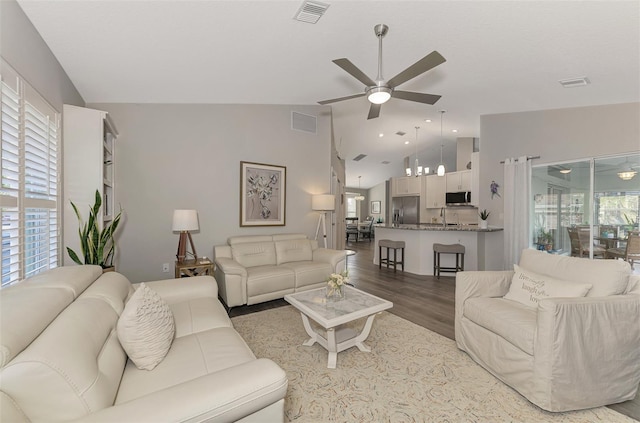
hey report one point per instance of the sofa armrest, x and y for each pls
(589, 342)
(224, 396)
(232, 281)
(184, 289)
(334, 257)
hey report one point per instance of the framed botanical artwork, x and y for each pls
(375, 207)
(262, 194)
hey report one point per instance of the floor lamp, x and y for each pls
(183, 222)
(323, 203)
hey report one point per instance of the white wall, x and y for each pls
(188, 156)
(23, 48)
(554, 135)
(378, 193)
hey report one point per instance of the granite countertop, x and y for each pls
(439, 227)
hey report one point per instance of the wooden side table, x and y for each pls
(197, 267)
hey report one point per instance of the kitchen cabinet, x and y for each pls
(89, 153)
(458, 181)
(408, 185)
(435, 191)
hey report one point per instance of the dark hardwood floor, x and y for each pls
(423, 300)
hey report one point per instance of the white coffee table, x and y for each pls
(330, 315)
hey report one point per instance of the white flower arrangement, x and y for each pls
(336, 281)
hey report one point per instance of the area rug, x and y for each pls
(411, 375)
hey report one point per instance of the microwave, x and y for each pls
(462, 198)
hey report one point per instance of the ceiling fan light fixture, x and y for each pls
(627, 175)
(379, 95)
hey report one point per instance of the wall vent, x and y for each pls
(305, 123)
(359, 157)
(311, 11)
(574, 82)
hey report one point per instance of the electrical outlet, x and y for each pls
(165, 267)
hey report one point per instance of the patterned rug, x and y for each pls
(411, 375)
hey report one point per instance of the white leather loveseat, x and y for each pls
(61, 359)
(254, 269)
(571, 351)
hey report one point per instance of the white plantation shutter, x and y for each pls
(30, 177)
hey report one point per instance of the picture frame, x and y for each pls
(375, 207)
(262, 194)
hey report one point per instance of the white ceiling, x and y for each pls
(502, 56)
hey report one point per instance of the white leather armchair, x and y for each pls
(566, 354)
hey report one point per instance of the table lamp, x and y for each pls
(183, 222)
(323, 203)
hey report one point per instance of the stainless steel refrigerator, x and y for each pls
(406, 210)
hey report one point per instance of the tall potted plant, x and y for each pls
(96, 245)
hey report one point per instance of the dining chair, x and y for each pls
(581, 243)
(630, 252)
(366, 231)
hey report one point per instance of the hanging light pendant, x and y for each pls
(418, 167)
(359, 197)
(441, 168)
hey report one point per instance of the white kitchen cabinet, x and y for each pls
(408, 185)
(435, 191)
(89, 140)
(459, 181)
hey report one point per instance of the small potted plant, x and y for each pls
(96, 245)
(484, 215)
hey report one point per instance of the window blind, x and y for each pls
(30, 178)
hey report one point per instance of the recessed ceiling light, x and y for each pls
(406, 142)
(380, 135)
(454, 130)
(428, 120)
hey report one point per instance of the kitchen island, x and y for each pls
(483, 247)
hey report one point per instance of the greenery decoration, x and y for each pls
(484, 214)
(96, 245)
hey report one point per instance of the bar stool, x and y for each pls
(395, 245)
(457, 249)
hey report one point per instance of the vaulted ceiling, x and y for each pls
(502, 56)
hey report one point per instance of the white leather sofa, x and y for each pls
(254, 269)
(61, 359)
(566, 354)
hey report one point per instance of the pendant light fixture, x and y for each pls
(418, 168)
(628, 174)
(359, 197)
(441, 168)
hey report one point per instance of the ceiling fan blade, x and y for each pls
(354, 71)
(334, 100)
(374, 111)
(417, 97)
(429, 61)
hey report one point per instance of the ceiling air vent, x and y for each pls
(359, 157)
(401, 133)
(574, 82)
(302, 122)
(386, 162)
(311, 11)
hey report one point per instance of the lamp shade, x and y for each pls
(323, 202)
(185, 220)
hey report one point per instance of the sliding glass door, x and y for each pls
(596, 202)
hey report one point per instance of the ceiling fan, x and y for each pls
(379, 91)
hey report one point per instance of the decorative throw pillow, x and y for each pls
(528, 287)
(146, 328)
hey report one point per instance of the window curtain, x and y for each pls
(517, 194)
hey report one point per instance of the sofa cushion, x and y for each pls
(309, 272)
(267, 279)
(608, 277)
(508, 319)
(146, 328)
(253, 254)
(528, 287)
(198, 315)
(293, 250)
(190, 357)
